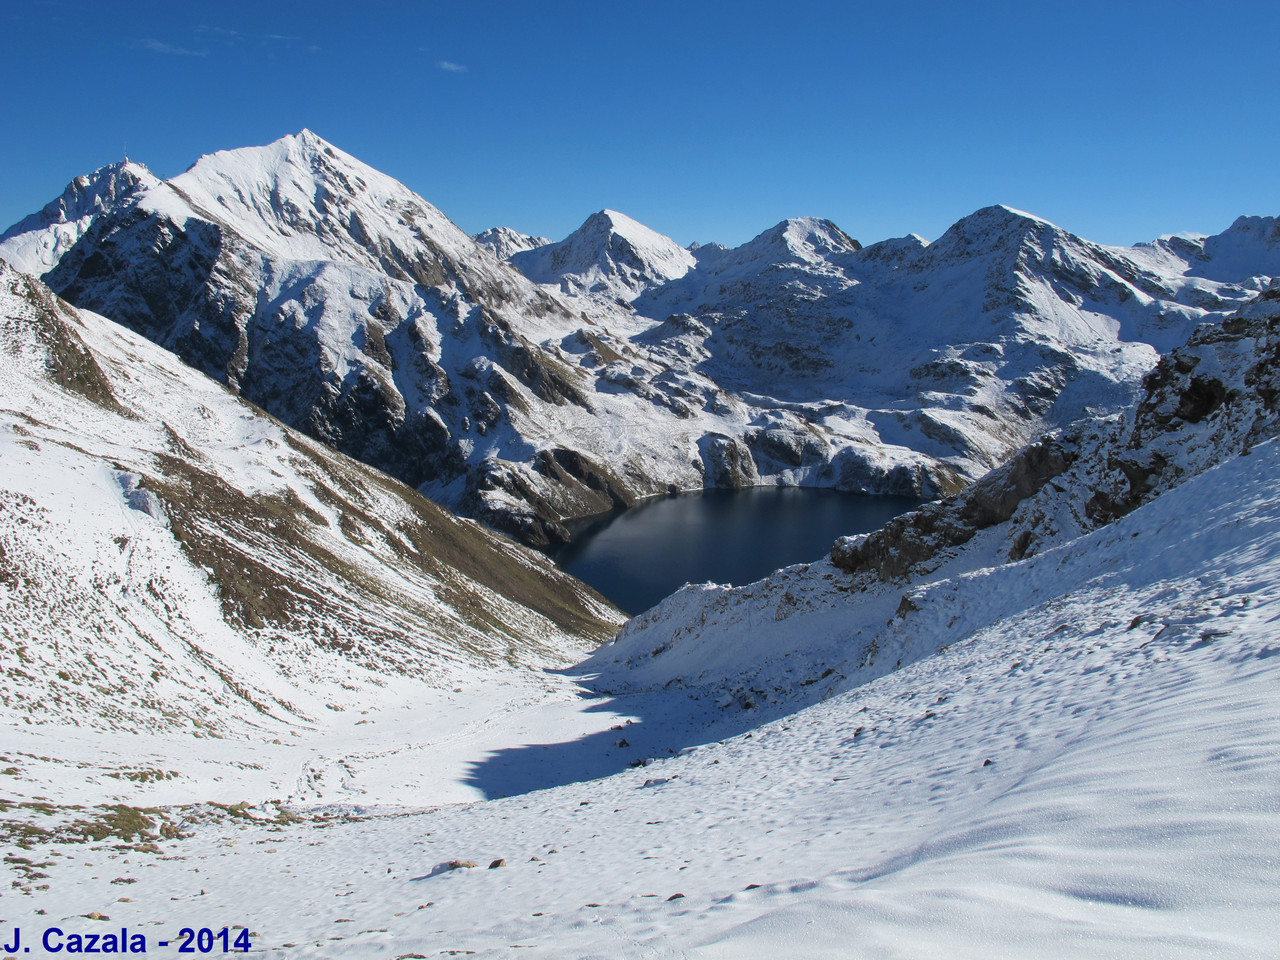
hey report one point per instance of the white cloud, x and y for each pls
(158, 46)
(218, 33)
(450, 66)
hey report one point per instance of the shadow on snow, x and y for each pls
(661, 725)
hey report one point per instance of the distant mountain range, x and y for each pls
(525, 383)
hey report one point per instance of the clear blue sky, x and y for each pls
(705, 120)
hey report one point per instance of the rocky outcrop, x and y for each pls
(1216, 396)
(907, 544)
(728, 463)
(561, 484)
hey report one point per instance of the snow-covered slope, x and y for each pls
(1060, 745)
(173, 559)
(346, 305)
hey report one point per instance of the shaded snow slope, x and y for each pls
(172, 559)
(343, 303)
(1071, 753)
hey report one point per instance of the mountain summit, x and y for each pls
(502, 242)
(610, 254)
(36, 243)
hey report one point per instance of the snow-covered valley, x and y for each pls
(253, 684)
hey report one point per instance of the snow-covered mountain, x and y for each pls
(172, 559)
(502, 242)
(610, 255)
(340, 301)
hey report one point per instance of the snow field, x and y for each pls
(1127, 708)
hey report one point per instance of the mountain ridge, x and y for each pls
(413, 348)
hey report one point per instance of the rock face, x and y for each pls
(338, 300)
(172, 558)
(729, 463)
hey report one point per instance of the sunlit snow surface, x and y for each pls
(1123, 688)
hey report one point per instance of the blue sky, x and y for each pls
(705, 120)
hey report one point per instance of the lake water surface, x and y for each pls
(638, 556)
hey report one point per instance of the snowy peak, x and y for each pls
(610, 254)
(296, 202)
(806, 240)
(301, 198)
(36, 243)
(1250, 247)
(502, 242)
(103, 189)
(994, 229)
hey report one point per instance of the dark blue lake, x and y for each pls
(638, 556)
